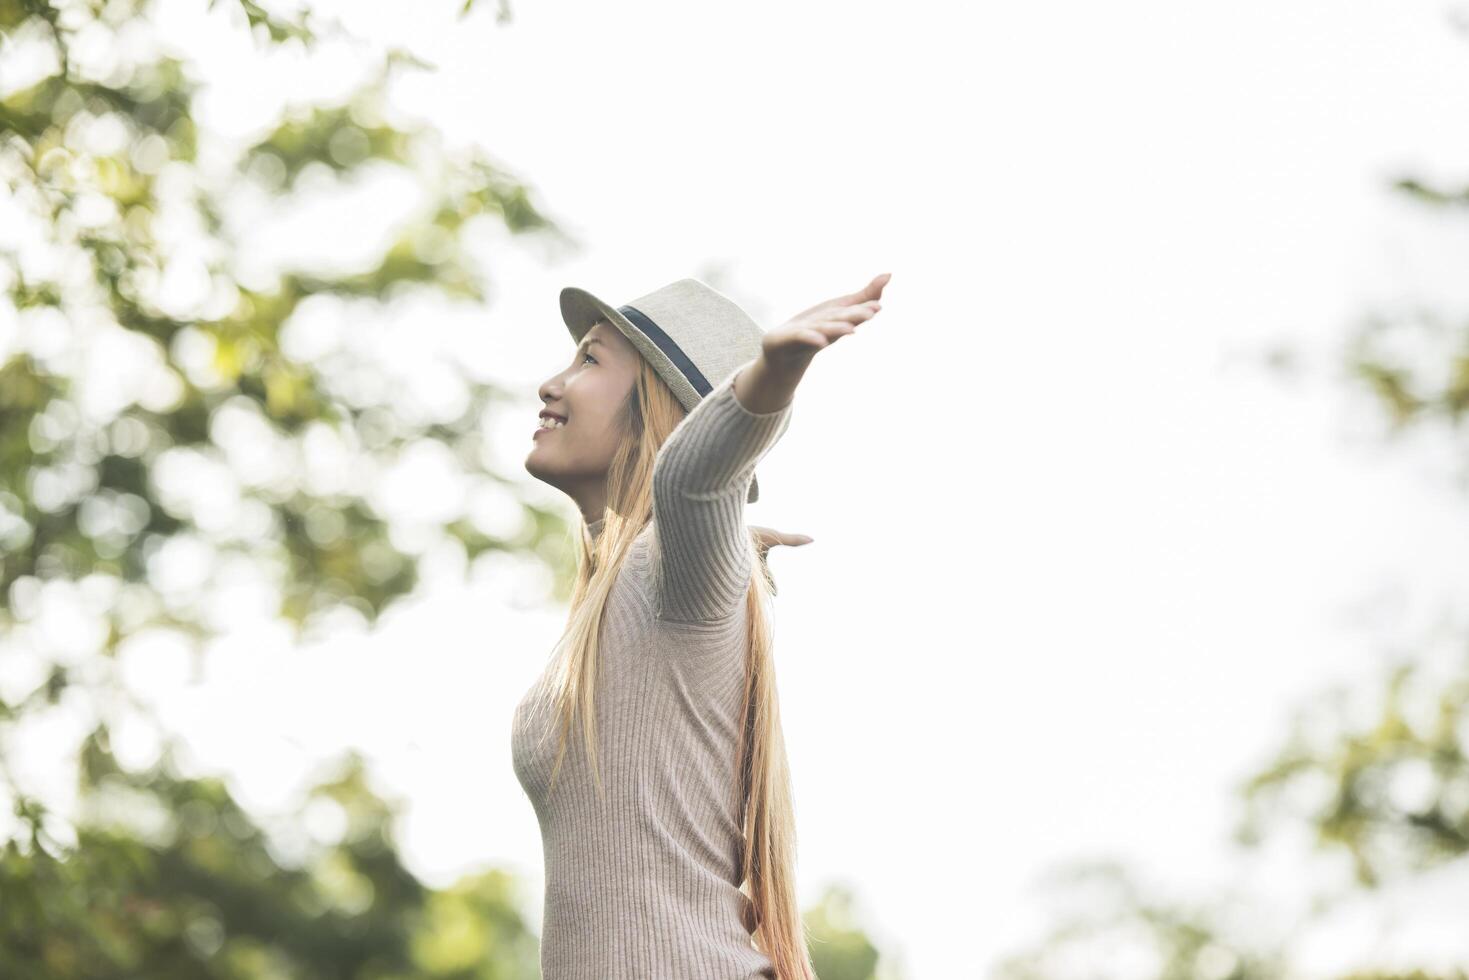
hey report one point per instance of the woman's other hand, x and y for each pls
(768, 537)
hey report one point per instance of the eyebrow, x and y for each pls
(588, 342)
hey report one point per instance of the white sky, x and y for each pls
(1075, 558)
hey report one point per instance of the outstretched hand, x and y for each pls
(768, 537)
(786, 351)
(791, 346)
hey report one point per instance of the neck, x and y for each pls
(592, 508)
(592, 502)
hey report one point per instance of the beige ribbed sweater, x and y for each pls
(647, 884)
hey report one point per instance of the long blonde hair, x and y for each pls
(768, 865)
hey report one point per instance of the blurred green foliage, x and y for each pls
(1114, 927)
(1376, 773)
(840, 950)
(159, 874)
(169, 878)
(1388, 785)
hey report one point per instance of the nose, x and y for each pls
(549, 389)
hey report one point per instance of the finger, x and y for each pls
(768, 536)
(791, 538)
(865, 311)
(875, 287)
(872, 290)
(822, 334)
(833, 330)
(849, 320)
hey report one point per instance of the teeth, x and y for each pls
(550, 423)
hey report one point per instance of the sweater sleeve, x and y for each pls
(700, 479)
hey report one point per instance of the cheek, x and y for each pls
(593, 440)
(585, 444)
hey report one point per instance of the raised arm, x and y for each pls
(701, 545)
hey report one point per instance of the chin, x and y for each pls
(534, 468)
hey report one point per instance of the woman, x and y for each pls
(665, 789)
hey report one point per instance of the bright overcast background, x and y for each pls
(1076, 554)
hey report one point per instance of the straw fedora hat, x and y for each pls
(693, 335)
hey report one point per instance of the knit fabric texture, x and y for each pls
(646, 883)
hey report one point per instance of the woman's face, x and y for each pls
(589, 395)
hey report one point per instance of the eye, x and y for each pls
(587, 355)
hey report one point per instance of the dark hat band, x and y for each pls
(671, 350)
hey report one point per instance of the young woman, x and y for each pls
(651, 745)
